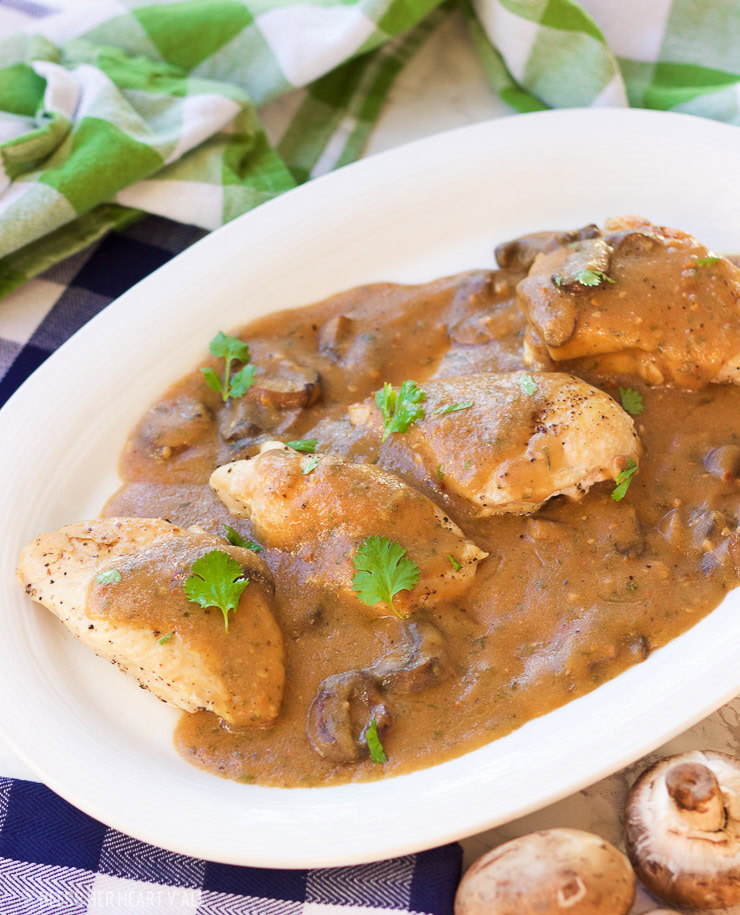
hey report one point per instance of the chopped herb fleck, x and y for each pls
(455, 564)
(312, 464)
(400, 408)
(528, 385)
(453, 408)
(304, 445)
(590, 277)
(632, 401)
(165, 638)
(557, 279)
(111, 577)
(440, 472)
(709, 261)
(623, 481)
(236, 539)
(377, 753)
(632, 586)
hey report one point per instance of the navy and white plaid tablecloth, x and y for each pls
(55, 860)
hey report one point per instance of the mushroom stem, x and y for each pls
(695, 792)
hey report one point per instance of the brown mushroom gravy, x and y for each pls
(567, 598)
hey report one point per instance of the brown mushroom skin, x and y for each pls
(549, 873)
(682, 836)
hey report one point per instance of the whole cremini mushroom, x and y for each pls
(550, 872)
(682, 825)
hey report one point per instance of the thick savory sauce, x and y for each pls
(567, 598)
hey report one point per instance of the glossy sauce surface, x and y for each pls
(567, 598)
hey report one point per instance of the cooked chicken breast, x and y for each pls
(141, 619)
(635, 299)
(324, 507)
(515, 440)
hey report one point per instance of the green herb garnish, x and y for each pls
(557, 279)
(440, 472)
(313, 463)
(528, 386)
(590, 277)
(377, 753)
(383, 569)
(230, 349)
(111, 577)
(236, 539)
(453, 408)
(304, 445)
(165, 638)
(216, 580)
(623, 481)
(400, 408)
(631, 586)
(709, 261)
(632, 401)
(455, 564)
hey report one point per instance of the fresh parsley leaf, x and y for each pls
(455, 564)
(400, 408)
(212, 380)
(466, 464)
(632, 401)
(242, 381)
(230, 349)
(377, 753)
(224, 347)
(528, 385)
(236, 539)
(453, 408)
(557, 279)
(111, 577)
(623, 481)
(593, 277)
(383, 569)
(313, 463)
(304, 445)
(216, 580)
(440, 472)
(165, 638)
(709, 261)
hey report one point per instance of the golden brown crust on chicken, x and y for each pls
(199, 665)
(524, 439)
(640, 300)
(326, 512)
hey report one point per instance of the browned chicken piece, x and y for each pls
(117, 585)
(635, 300)
(323, 507)
(514, 440)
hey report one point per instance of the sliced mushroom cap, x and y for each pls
(682, 826)
(176, 423)
(549, 873)
(519, 253)
(419, 662)
(724, 462)
(285, 384)
(593, 254)
(340, 714)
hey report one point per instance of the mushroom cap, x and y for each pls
(682, 827)
(549, 873)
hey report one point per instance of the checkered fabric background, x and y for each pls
(54, 860)
(199, 110)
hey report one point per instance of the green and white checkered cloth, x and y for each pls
(132, 106)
